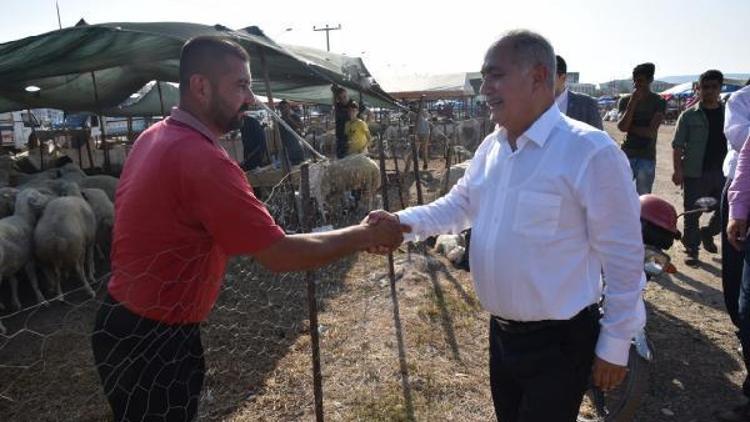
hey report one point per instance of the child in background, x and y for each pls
(357, 133)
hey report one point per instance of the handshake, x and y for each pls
(386, 232)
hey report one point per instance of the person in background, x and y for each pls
(357, 132)
(254, 147)
(699, 148)
(737, 131)
(341, 116)
(572, 104)
(642, 114)
(292, 145)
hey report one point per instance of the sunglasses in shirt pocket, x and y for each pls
(537, 214)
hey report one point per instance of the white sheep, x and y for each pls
(104, 211)
(64, 240)
(455, 172)
(330, 180)
(73, 173)
(16, 241)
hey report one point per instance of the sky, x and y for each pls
(601, 39)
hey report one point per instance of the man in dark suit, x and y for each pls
(574, 105)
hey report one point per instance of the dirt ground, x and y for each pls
(258, 345)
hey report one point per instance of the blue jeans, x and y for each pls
(644, 172)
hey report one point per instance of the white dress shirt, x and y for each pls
(562, 102)
(546, 220)
(736, 127)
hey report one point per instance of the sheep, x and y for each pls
(7, 201)
(469, 133)
(329, 180)
(104, 211)
(64, 240)
(73, 173)
(16, 236)
(453, 247)
(455, 172)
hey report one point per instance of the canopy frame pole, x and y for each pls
(105, 147)
(285, 164)
(161, 99)
(276, 132)
(32, 118)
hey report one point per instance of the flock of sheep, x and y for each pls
(52, 223)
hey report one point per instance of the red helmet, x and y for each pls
(659, 213)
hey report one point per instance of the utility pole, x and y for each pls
(59, 22)
(328, 30)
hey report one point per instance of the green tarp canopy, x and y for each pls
(125, 57)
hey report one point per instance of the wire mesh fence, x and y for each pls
(48, 371)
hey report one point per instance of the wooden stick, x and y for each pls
(312, 304)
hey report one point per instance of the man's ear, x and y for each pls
(539, 75)
(200, 87)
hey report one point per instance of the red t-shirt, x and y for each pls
(182, 207)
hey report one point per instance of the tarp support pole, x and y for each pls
(161, 99)
(38, 141)
(105, 147)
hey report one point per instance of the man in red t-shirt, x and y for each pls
(183, 206)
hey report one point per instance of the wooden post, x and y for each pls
(285, 165)
(312, 304)
(405, 385)
(105, 147)
(276, 132)
(38, 141)
(415, 153)
(448, 157)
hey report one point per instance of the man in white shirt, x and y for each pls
(551, 203)
(572, 104)
(737, 131)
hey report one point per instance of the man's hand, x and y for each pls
(677, 177)
(737, 233)
(384, 218)
(607, 375)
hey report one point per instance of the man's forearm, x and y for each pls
(626, 121)
(307, 251)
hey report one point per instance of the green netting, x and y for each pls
(123, 57)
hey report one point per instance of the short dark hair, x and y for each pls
(562, 67)
(711, 75)
(646, 69)
(205, 55)
(283, 102)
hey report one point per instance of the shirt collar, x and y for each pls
(563, 96)
(191, 121)
(540, 130)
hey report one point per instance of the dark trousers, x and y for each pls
(542, 375)
(711, 183)
(150, 371)
(731, 262)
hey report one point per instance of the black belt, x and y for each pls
(518, 327)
